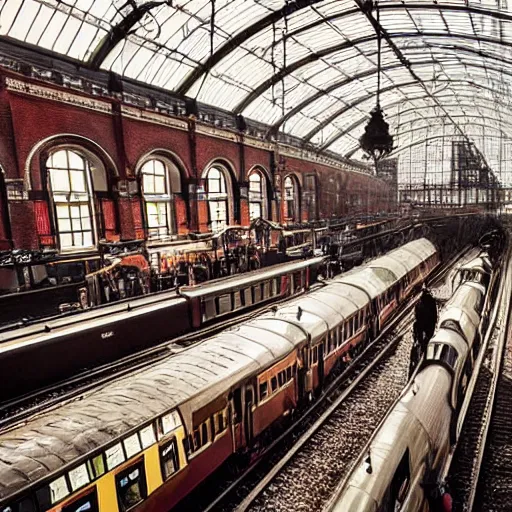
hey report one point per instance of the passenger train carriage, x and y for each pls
(102, 335)
(153, 436)
(399, 468)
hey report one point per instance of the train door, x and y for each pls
(399, 487)
(321, 365)
(248, 421)
(237, 420)
(302, 374)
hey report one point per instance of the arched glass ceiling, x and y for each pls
(307, 67)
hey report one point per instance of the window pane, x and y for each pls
(86, 223)
(160, 185)
(88, 239)
(99, 467)
(58, 160)
(147, 436)
(130, 488)
(60, 181)
(66, 241)
(75, 161)
(78, 239)
(62, 212)
(78, 181)
(148, 184)
(169, 459)
(64, 225)
(75, 212)
(115, 456)
(132, 445)
(159, 168)
(77, 225)
(78, 477)
(58, 489)
(170, 422)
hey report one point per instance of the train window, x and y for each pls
(147, 436)
(289, 373)
(247, 297)
(98, 464)
(315, 355)
(224, 304)
(281, 377)
(257, 293)
(131, 488)
(263, 390)
(169, 459)
(237, 398)
(204, 433)
(237, 300)
(132, 445)
(267, 289)
(87, 503)
(169, 422)
(221, 421)
(58, 489)
(275, 286)
(78, 477)
(22, 505)
(115, 456)
(356, 323)
(273, 383)
(196, 439)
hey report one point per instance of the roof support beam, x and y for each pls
(120, 31)
(297, 5)
(277, 77)
(476, 98)
(331, 118)
(354, 149)
(239, 39)
(362, 99)
(311, 99)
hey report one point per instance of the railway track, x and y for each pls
(278, 477)
(480, 471)
(20, 408)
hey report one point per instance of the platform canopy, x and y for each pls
(306, 67)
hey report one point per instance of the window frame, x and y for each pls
(54, 203)
(171, 441)
(165, 198)
(138, 464)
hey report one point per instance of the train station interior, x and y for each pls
(255, 255)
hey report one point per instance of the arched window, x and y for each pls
(160, 180)
(71, 194)
(291, 200)
(257, 195)
(217, 192)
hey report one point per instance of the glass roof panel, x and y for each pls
(233, 53)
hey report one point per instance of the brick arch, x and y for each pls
(33, 171)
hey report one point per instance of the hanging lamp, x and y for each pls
(376, 140)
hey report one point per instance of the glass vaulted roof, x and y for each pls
(306, 67)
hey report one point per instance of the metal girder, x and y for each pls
(311, 99)
(389, 88)
(277, 77)
(291, 7)
(240, 38)
(352, 151)
(435, 137)
(120, 31)
(361, 120)
(331, 118)
(430, 118)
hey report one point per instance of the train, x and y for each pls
(70, 344)
(400, 466)
(147, 440)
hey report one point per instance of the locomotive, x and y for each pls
(149, 438)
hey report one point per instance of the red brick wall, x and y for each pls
(27, 120)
